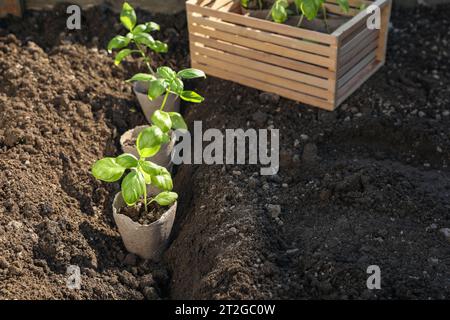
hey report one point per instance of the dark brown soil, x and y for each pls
(138, 213)
(64, 105)
(367, 184)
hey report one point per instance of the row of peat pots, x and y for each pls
(147, 240)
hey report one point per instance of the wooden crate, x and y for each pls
(307, 66)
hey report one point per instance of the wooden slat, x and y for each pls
(382, 41)
(357, 81)
(357, 40)
(332, 8)
(317, 72)
(262, 46)
(219, 61)
(309, 81)
(243, 80)
(353, 3)
(356, 69)
(281, 40)
(264, 25)
(217, 4)
(351, 60)
(356, 22)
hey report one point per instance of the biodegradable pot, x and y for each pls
(147, 241)
(162, 158)
(149, 107)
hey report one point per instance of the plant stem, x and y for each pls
(324, 10)
(260, 4)
(164, 101)
(146, 59)
(300, 20)
(145, 198)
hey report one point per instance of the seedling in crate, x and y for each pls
(141, 171)
(305, 8)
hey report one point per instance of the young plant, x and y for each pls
(141, 172)
(305, 8)
(162, 81)
(137, 40)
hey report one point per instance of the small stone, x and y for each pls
(422, 114)
(266, 97)
(4, 264)
(146, 281)
(296, 142)
(309, 152)
(304, 137)
(233, 230)
(236, 172)
(426, 165)
(446, 113)
(150, 293)
(130, 259)
(292, 251)
(284, 185)
(446, 233)
(274, 210)
(439, 149)
(260, 118)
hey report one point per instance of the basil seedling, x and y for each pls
(138, 35)
(141, 172)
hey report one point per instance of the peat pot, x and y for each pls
(162, 158)
(150, 106)
(147, 241)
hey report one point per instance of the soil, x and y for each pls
(365, 185)
(138, 213)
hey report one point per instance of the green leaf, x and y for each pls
(128, 16)
(165, 138)
(147, 177)
(163, 180)
(162, 120)
(156, 88)
(310, 8)
(150, 168)
(278, 12)
(118, 42)
(177, 121)
(122, 54)
(107, 169)
(133, 187)
(159, 47)
(127, 160)
(144, 38)
(191, 73)
(152, 26)
(166, 198)
(344, 5)
(191, 96)
(177, 86)
(142, 77)
(149, 141)
(166, 73)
